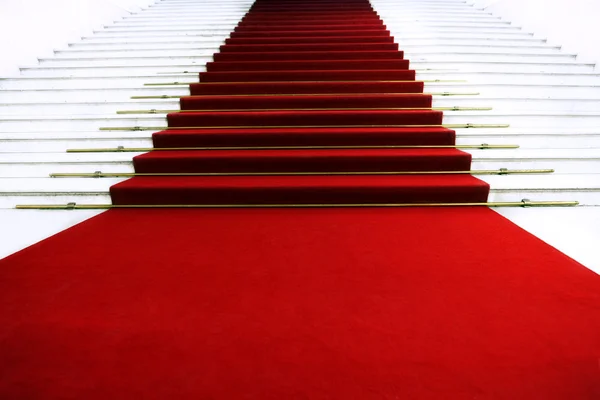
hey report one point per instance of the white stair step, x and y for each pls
(74, 122)
(396, 30)
(426, 17)
(212, 33)
(124, 61)
(164, 39)
(564, 141)
(503, 104)
(73, 135)
(516, 91)
(83, 95)
(436, 31)
(411, 51)
(125, 93)
(232, 23)
(191, 51)
(533, 119)
(37, 145)
(207, 26)
(99, 82)
(191, 46)
(563, 161)
(58, 145)
(405, 37)
(522, 120)
(143, 20)
(83, 108)
(507, 77)
(507, 104)
(54, 191)
(500, 66)
(450, 65)
(490, 57)
(202, 57)
(39, 71)
(584, 188)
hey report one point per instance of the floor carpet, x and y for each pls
(300, 303)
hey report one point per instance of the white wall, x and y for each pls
(570, 23)
(34, 28)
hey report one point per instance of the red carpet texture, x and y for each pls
(300, 74)
(300, 303)
(420, 303)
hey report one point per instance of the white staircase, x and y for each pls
(550, 100)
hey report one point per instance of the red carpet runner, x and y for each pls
(324, 303)
(312, 74)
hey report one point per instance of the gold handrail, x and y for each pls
(74, 206)
(456, 108)
(99, 174)
(416, 70)
(315, 81)
(483, 146)
(164, 96)
(162, 128)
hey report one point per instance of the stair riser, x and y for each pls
(396, 30)
(124, 94)
(415, 51)
(9, 201)
(512, 78)
(525, 142)
(185, 21)
(431, 66)
(232, 23)
(25, 125)
(498, 105)
(41, 170)
(61, 146)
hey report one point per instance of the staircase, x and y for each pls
(468, 58)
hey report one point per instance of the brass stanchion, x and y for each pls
(443, 94)
(483, 146)
(162, 128)
(100, 174)
(230, 83)
(74, 206)
(456, 108)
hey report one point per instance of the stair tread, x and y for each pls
(299, 189)
(303, 160)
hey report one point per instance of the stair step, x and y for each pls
(322, 101)
(322, 160)
(504, 104)
(485, 66)
(302, 137)
(299, 190)
(468, 78)
(205, 55)
(306, 118)
(291, 118)
(143, 20)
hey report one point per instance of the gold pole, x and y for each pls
(311, 94)
(99, 174)
(74, 206)
(483, 146)
(162, 128)
(416, 70)
(154, 111)
(230, 83)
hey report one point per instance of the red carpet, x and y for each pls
(301, 73)
(300, 303)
